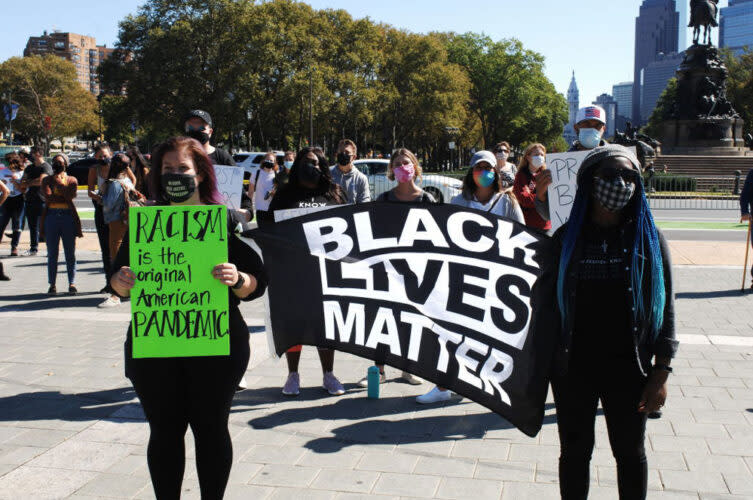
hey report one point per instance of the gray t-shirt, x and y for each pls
(354, 183)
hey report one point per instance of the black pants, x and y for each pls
(33, 207)
(619, 386)
(103, 235)
(180, 392)
(264, 218)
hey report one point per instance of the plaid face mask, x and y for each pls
(614, 194)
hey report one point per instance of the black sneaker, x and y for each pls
(52, 290)
(655, 414)
(72, 290)
(3, 276)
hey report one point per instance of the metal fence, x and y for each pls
(693, 192)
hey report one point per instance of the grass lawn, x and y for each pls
(702, 225)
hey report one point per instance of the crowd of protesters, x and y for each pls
(615, 306)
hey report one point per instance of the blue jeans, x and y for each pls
(13, 212)
(33, 207)
(59, 224)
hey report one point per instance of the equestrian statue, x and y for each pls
(703, 13)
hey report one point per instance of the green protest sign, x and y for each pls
(178, 309)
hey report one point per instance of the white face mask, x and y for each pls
(537, 162)
(502, 156)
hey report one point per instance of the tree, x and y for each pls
(510, 94)
(740, 84)
(52, 103)
(663, 111)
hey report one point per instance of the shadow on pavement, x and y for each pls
(714, 294)
(54, 405)
(61, 262)
(370, 428)
(43, 302)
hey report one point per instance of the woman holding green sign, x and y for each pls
(195, 391)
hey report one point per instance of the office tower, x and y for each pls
(609, 104)
(736, 25)
(656, 32)
(655, 78)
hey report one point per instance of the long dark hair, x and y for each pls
(469, 185)
(118, 165)
(326, 186)
(207, 188)
(139, 166)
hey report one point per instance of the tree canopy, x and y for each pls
(261, 68)
(52, 103)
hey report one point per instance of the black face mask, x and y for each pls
(58, 167)
(199, 135)
(104, 161)
(267, 164)
(309, 174)
(343, 159)
(177, 188)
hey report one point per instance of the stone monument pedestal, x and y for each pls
(704, 136)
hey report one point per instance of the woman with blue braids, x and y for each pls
(615, 312)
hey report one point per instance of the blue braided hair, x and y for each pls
(646, 257)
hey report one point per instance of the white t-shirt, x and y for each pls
(263, 185)
(503, 208)
(5, 175)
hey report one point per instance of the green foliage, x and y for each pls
(673, 183)
(47, 87)
(259, 68)
(663, 111)
(740, 84)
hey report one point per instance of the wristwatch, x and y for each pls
(239, 284)
(665, 368)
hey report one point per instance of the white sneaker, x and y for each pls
(434, 396)
(111, 301)
(410, 378)
(364, 382)
(242, 384)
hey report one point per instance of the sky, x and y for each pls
(593, 38)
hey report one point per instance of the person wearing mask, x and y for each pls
(60, 221)
(97, 176)
(117, 190)
(33, 202)
(526, 186)
(180, 392)
(13, 209)
(283, 174)
(609, 279)
(4, 192)
(590, 125)
(310, 182)
(405, 169)
(481, 191)
(261, 187)
(140, 169)
(344, 174)
(505, 169)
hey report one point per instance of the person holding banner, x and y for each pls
(611, 275)
(590, 125)
(527, 186)
(310, 185)
(195, 391)
(347, 176)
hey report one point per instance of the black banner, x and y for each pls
(440, 291)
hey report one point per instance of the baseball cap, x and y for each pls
(486, 156)
(592, 113)
(199, 113)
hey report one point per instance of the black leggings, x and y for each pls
(197, 392)
(576, 397)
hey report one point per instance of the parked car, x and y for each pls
(441, 187)
(250, 161)
(80, 170)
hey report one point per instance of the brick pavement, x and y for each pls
(70, 426)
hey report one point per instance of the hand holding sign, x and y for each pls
(226, 273)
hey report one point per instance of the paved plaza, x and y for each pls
(70, 426)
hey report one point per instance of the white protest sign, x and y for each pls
(229, 185)
(561, 193)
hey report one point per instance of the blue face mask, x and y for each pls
(589, 137)
(484, 178)
(288, 164)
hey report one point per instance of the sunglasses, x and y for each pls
(502, 151)
(611, 173)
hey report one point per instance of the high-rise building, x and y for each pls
(81, 50)
(623, 93)
(573, 102)
(736, 25)
(655, 78)
(609, 104)
(656, 32)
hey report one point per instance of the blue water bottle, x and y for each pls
(373, 382)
